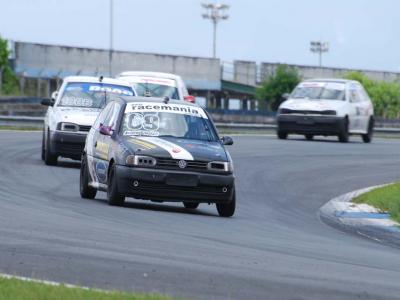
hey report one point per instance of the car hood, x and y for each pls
(314, 105)
(176, 148)
(81, 116)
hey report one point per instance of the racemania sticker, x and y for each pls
(168, 108)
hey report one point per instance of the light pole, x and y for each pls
(110, 51)
(319, 47)
(215, 13)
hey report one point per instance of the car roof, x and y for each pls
(338, 80)
(149, 74)
(93, 79)
(140, 99)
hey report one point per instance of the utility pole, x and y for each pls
(110, 51)
(319, 47)
(215, 13)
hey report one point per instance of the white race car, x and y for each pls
(156, 84)
(72, 111)
(327, 107)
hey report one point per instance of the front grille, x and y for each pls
(308, 112)
(169, 163)
(70, 148)
(143, 185)
(84, 127)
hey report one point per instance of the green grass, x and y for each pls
(15, 289)
(29, 128)
(386, 199)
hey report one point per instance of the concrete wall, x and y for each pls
(245, 72)
(308, 72)
(36, 60)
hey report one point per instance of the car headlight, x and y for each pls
(140, 160)
(220, 166)
(63, 126)
(284, 111)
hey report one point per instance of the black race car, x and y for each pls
(159, 150)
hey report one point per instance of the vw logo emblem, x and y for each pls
(182, 164)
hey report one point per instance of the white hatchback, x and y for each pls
(157, 84)
(327, 107)
(72, 111)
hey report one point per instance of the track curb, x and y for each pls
(360, 219)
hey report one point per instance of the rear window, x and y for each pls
(154, 86)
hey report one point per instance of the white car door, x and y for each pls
(365, 109)
(355, 109)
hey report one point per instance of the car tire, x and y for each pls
(282, 135)
(50, 159)
(87, 192)
(190, 205)
(309, 137)
(227, 209)
(43, 144)
(344, 134)
(114, 198)
(367, 138)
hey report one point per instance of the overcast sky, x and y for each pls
(362, 33)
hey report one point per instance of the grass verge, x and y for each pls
(16, 289)
(24, 128)
(385, 198)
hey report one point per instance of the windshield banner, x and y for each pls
(151, 80)
(169, 108)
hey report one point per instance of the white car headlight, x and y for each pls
(68, 127)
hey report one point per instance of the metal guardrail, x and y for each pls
(38, 122)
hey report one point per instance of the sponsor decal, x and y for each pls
(312, 84)
(335, 86)
(102, 149)
(142, 144)
(168, 146)
(143, 124)
(169, 108)
(101, 171)
(111, 89)
(76, 101)
(152, 80)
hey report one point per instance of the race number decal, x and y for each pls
(76, 101)
(143, 124)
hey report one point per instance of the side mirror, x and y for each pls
(227, 140)
(54, 96)
(286, 96)
(47, 102)
(190, 98)
(105, 130)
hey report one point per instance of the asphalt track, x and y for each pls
(274, 248)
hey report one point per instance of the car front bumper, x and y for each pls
(305, 124)
(170, 185)
(67, 144)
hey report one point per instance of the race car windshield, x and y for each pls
(91, 95)
(192, 124)
(319, 91)
(156, 90)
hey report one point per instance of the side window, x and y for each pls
(364, 94)
(354, 96)
(102, 116)
(112, 117)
